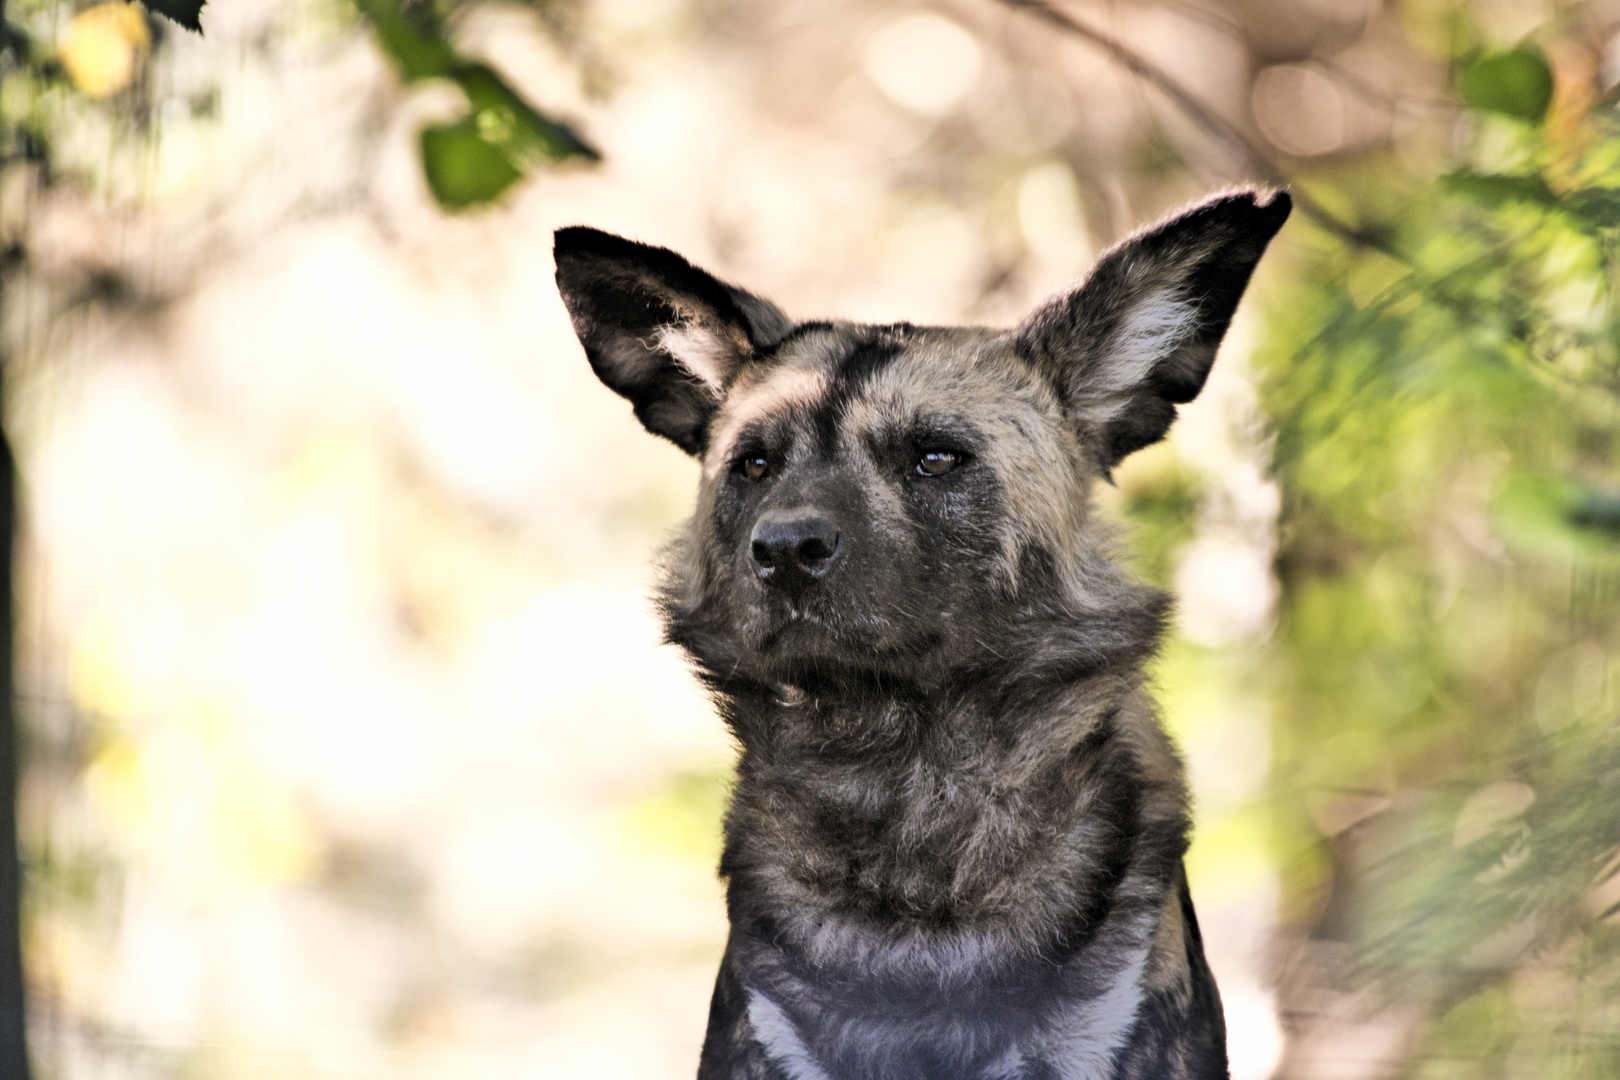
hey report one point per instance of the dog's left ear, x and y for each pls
(659, 331)
(1138, 336)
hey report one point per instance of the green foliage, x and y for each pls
(473, 160)
(1448, 446)
(1556, 517)
(464, 169)
(413, 39)
(469, 162)
(1517, 84)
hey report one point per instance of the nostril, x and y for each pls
(762, 554)
(817, 549)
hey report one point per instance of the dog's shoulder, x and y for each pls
(731, 1048)
(1180, 1031)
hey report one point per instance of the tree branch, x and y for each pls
(1212, 122)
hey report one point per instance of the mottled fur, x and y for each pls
(954, 846)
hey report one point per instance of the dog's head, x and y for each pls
(872, 496)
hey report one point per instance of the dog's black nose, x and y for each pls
(792, 549)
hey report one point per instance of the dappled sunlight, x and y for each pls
(351, 748)
(344, 565)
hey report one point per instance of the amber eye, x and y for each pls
(755, 467)
(937, 462)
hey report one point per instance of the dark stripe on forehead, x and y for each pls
(792, 336)
(870, 353)
(869, 350)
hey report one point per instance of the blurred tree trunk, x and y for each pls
(13, 1015)
(13, 1038)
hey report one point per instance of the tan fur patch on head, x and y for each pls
(775, 390)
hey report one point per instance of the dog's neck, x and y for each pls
(966, 727)
(945, 815)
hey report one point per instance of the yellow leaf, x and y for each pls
(103, 47)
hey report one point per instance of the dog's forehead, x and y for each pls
(875, 374)
(968, 373)
(795, 381)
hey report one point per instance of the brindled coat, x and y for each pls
(954, 848)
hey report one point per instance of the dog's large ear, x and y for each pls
(1137, 337)
(659, 331)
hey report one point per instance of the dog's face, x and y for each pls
(856, 492)
(875, 497)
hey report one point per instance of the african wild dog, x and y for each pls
(954, 846)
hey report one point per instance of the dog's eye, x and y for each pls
(937, 462)
(755, 467)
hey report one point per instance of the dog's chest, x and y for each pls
(1073, 1031)
(953, 830)
(907, 924)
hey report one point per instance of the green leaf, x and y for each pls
(417, 55)
(1596, 207)
(505, 120)
(187, 13)
(473, 160)
(413, 40)
(1600, 206)
(1598, 511)
(463, 169)
(1555, 516)
(1496, 190)
(1517, 83)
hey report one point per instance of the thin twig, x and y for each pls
(1233, 136)
(1367, 92)
(1349, 79)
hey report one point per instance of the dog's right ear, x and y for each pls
(659, 331)
(1137, 337)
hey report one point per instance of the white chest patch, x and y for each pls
(1085, 1042)
(776, 1033)
(1081, 1044)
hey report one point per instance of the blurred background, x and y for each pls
(347, 746)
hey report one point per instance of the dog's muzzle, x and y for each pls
(792, 550)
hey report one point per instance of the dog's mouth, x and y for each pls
(800, 644)
(792, 629)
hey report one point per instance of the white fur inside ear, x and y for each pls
(704, 353)
(1155, 327)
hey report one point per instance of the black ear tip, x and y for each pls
(571, 236)
(1249, 210)
(1272, 202)
(1276, 205)
(1259, 210)
(584, 240)
(570, 241)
